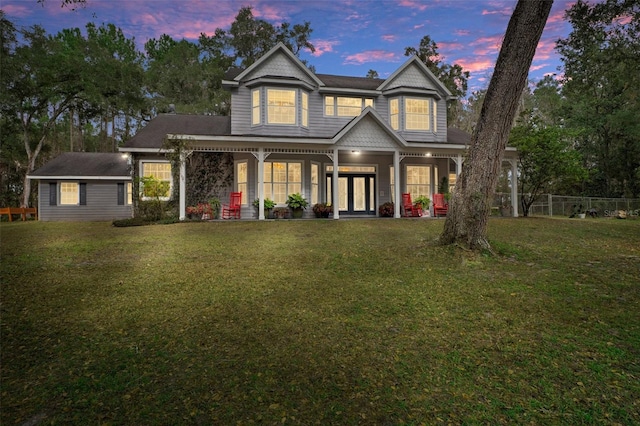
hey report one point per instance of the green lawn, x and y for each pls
(320, 322)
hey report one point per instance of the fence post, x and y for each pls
(550, 201)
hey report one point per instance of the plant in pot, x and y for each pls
(322, 209)
(297, 204)
(387, 210)
(215, 205)
(269, 204)
(421, 203)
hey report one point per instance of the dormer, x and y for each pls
(271, 97)
(417, 102)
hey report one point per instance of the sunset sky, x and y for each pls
(350, 36)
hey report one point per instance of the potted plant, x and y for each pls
(322, 209)
(421, 203)
(297, 204)
(214, 204)
(280, 212)
(578, 211)
(387, 210)
(269, 204)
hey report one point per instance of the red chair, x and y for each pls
(232, 210)
(440, 206)
(408, 207)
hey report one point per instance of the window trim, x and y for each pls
(426, 115)
(364, 100)
(268, 185)
(62, 202)
(295, 106)
(430, 167)
(237, 184)
(141, 174)
(256, 109)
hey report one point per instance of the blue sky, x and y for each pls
(351, 36)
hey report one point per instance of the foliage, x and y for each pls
(546, 160)
(250, 38)
(601, 85)
(422, 201)
(387, 210)
(200, 210)
(372, 74)
(316, 319)
(296, 201)
(322, 209)
(150, 206)
(133, 221)
(215, 204)
(268, 203)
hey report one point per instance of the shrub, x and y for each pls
(387, 210)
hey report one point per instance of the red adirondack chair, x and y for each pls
(440, 206)
(232, 210)
(408, 207)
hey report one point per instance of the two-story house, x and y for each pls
(355, 142)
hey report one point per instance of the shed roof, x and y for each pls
(84, 164)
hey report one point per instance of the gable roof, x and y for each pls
(341, 81)
(369, 114)
(279, 48)
(415, 61)
(98, 165)
(156, 131)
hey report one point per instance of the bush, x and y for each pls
(134, 221)
(387, 210)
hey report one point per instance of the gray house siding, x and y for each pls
(101, 202)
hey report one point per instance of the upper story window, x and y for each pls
(344, 106)
(416, 114)
(281, 106)
(413, 114)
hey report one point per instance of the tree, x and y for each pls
(452, 76)
(469, 210)
(601, 84)
(546, 160)
(250, 38)
(372, 74)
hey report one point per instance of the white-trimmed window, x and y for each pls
(434, 116)
(242, 179)
(418, 180)
(315, 182)
(282, 178)
(129, 193)
(394, 114)
(345, 106)
(305, 109)
(160, 171)
(392, 181)
(416, 112)
(69, 194)
(255, 107)
(281, 106)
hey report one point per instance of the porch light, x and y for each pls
(428, 154)
(354, 152)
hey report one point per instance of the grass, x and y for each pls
(320, 322)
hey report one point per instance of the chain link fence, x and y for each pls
(563, 205)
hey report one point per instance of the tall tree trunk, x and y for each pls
(470, 207)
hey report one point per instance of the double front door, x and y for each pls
(356, 194)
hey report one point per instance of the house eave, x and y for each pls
(341, 90)
(75, 177)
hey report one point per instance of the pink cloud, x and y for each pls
(417, 27)
(462, 33)
(545, 50)
(389, 37)
(270, 13)
(487, 45)
(475, 65)
(15, 10)
(323, 46)
(413, 4)
(538, 67)
(370, 56)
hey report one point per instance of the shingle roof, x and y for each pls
(89, 164)
(457, 136)
(154, 133)
(342, 81)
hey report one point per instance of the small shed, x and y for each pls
(84, 186)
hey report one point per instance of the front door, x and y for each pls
(356, 194)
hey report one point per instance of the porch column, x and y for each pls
(261, 183)
(458, 161)
(514, 187)
(334, 183)
(183, 187)
(396, 186)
